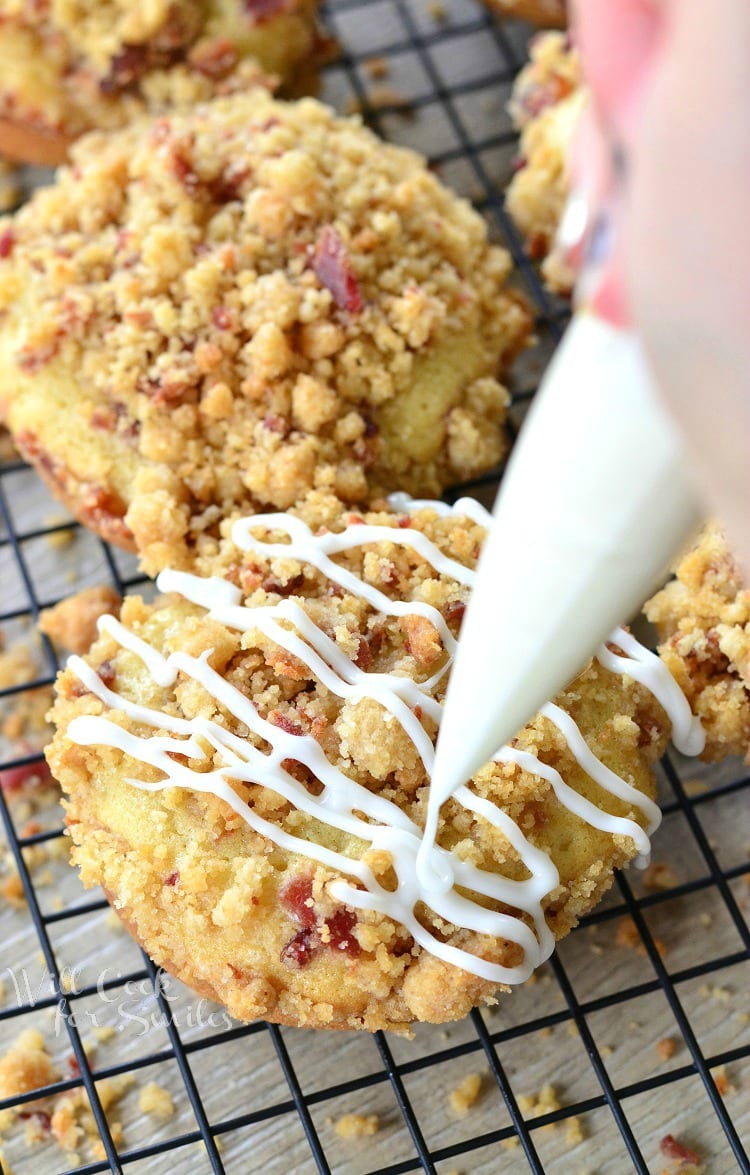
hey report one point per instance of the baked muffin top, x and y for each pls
(231, 306)
(248, 759)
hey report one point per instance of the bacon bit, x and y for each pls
(126, 67)
(287, 665)
(518, 162)
(418, 713)
(365, 452)
(15, 778)
(301, 949)
(319, 725)
(363, 660)
(262, 10)
(285, 723)
(672, 1148)
(276, 424)
(172, 879)
(271, 584)
(107, 672)
(74, 1067)
(404, 522)
(331, 265)
(42, 1118)
(222, 318)
(103, 419)
(537, 246)
(294, 897)
(7, 241)
(422, 639)
(183, 170)
(214, 59)
(31, 359)
(454, 610)
(340, 926)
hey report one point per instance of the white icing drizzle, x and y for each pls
(343, 803)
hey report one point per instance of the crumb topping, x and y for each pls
(270, 937)
(703, 619)
(239, 304)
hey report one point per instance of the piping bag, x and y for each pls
(596, 501)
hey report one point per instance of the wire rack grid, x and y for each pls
(636, 1027)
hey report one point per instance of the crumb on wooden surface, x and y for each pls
(666, 1047)
(627, 935)
(104, 1033)
(722, 1081)
(26, 1065)
(58, 539)
(574, 1132)
(155, 1099)
(356, 1125)
(463, 1097)
(714, 991)
(659, 876)
(377, 67)
(544, 1102)
(679, 1153)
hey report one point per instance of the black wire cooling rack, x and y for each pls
(637, 1023)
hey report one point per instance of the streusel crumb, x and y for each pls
(463, 1097)
(79, 65)
(703, 619)
(229, 307)
(548, 97)
(357, 1125)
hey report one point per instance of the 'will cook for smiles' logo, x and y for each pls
(136, 1006)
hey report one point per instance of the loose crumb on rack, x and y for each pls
(73, 1123)
(666, 1047)
(545, 1102)
(155, 1099)
(683, 1158)
(574, 1132)
(713, 991)
(104, 1033)
(627, 935)
(72, 624)
(58, 539)
(377, 67)
(356, 1125)
(463, 1097)
(26, 1066)
(722, 1081)
(659, 877)
(436, 11)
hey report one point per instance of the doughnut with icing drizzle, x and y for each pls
(247, 766)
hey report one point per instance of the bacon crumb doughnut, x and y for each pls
(548, 97)
(703, 619)
(246, 763)
(226, 308)
(80, 65)
(547, 13)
